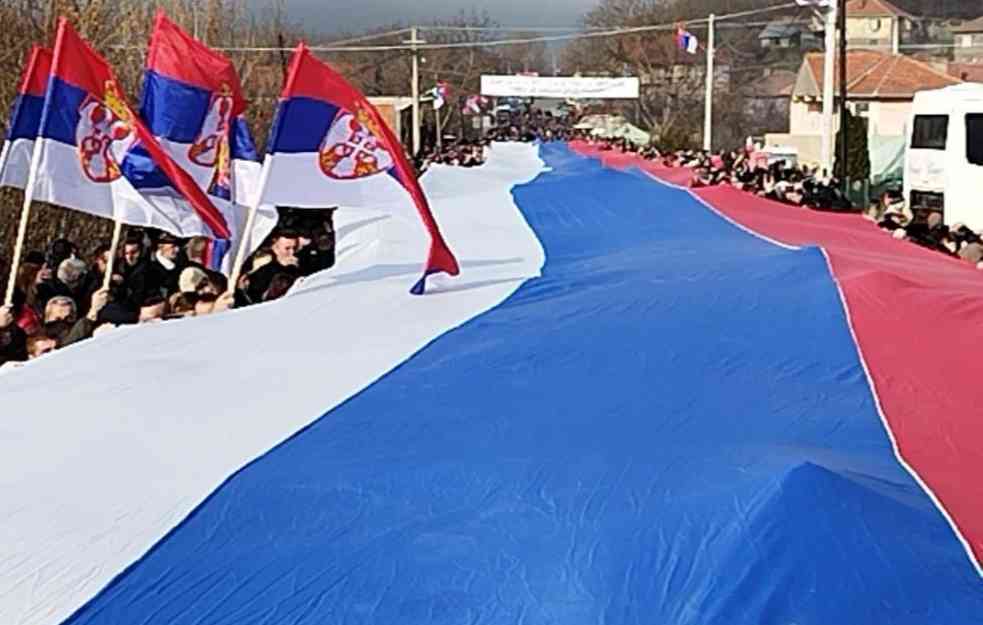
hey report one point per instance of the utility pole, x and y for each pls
(708, 105)
(415, 88)
(829, 97)
(844, 126)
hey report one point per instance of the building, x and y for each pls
(880, 86)
(877, 24)
(767, 100)
(789, 34)
(968, 40)
(397, 112)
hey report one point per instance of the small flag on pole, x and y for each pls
(686, 40)
(440, 93)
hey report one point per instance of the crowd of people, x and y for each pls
(749, 170)
(808, 187)
(893, 214)
(60, 295)
(524, 126)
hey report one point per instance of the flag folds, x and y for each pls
(193, 104)
(25, 117)
(330, 147)
(92, 149)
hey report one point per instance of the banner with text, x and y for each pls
(558, 87)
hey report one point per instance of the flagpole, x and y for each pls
(440, 140)
(708, 104)
(415, 89)
(25, 215)
(250, 220)
(107, 278)
(828, 96)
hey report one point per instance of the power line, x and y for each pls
(590, 34)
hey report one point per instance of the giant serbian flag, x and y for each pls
(330, 147)
(90, 144)
(193, 103)
(25, 117)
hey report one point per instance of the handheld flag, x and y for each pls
(440, 93)
(474, 104)
(92, 148)
(192, 102)
(25, 118)
(686, 40)
(329, 146)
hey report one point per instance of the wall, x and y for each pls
(806, 118)
(889, 119)
(869, 31)
(810, 147)
(969, 48)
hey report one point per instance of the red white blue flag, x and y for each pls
(440, 93)
(687, 41)
(193, 104)
(25, 117)
(92, 149)
(330, 147)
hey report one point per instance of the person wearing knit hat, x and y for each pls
(191, 280)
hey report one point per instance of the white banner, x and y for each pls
(558, 87)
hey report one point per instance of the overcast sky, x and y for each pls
(330, 16)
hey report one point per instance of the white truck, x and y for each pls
(944, 159)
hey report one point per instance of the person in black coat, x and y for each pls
(284, 261)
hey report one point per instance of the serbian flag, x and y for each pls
(192, 102)
(440, 93)
(25, 117)
(686, 40)
(330, 147)
(90, 142)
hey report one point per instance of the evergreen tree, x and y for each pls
(858, 156)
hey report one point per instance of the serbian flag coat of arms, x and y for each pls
(193, 104)
(330, 147)
(92, 146)
(25, 118)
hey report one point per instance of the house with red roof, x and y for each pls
(881, 88)
(877, 24)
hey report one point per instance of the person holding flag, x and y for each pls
(193, 104)
(328, 144)
(90, 141)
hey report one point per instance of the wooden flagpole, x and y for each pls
(25, 216)
(107, 279)
(240, 257)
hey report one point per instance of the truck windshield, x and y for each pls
(930, 132)
(974, 138)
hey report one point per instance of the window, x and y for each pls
(967, 41)
(930, 132)
(974, 138)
